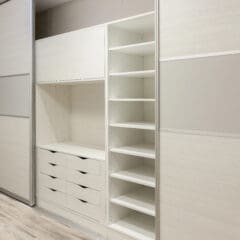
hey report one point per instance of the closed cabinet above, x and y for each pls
(72, 56)
(15, 38)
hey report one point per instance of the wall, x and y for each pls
(84, 13)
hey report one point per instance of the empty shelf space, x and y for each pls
(75, 149)
(132, 100)
(141, 150)
(135, 125)
(142, 175)
(136, 226)
(135, 74)
(141, 200)
(141, 49)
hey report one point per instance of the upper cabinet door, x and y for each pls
(73, 56)
(15, 38)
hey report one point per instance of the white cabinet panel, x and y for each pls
(15, 37)
(73, 56)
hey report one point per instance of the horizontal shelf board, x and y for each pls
(141, 150)
(141, 49)
(142, 175)
(141, 23)
(72, 81)
(137, 226)
(135, 125)
(75, 149)
(141, 200)
(135, 74)
(132, 99)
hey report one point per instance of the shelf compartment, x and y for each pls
(141, 49)
(132, 100)
(135, 125)
(143, 175)
(135, 74)
(137, 226)
(75, 149)
(141, 150)
(141, 200)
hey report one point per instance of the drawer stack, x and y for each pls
(75, 183)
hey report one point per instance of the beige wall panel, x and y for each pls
(15, 39)
(14, 160)
(199, 187)
(198, 27)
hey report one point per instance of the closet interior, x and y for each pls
(96, 127)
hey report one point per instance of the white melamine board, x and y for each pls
(141, 200)
(75, 149)
(142, 49)
(71, 56)
(134, 74)
(132, 100)
(140, 150)
(143, 175)
(136, 125)
(189, 27)
(15, 37)
(201, 94)
(15, 96)
(15, 155)
(142, 23)
(199, 187)
(137, 226)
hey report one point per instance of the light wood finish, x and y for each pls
(70, 56)
(14, 159)
(19, 222)
(199, 187)
(15, 38)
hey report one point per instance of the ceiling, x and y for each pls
(42, 5)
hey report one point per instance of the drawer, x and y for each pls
(52, 195)
(51, 156)
(83, 192)
(84, 164)
(52, 182)
(84, 208)
(52, 169)
(85, 179)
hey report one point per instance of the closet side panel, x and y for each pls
(15, 29)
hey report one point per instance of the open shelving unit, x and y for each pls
(131, 100)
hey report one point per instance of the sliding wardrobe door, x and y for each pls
(16, 99)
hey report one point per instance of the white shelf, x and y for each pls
(142, 175)
(135, 125)
(132, 100)
(141, 200)
(141, 150)
(141, 49)
(75, 149)
(137, 226)
(135, 74)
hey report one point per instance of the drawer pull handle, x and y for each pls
(82, 172)
(83, 201)
(52, 177)
(81, 186)
(53, 190)
(53, 164)
(83, 158)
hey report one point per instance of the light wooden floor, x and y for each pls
(20, 222)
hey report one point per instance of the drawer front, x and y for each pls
(86, 179)
(52, 182)
(52, 195)
(83, 192)
(51, 156)
(52, 169)
(84, 208)
(84, 164)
